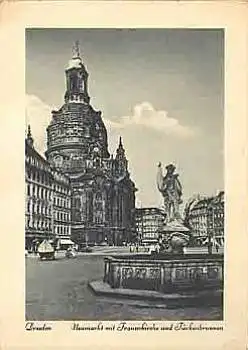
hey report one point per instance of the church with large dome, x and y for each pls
(102, 192)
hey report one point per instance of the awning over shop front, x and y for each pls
(149, 240)
(66, 242)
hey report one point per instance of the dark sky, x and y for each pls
(161, 89)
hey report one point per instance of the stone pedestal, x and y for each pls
(175, 235)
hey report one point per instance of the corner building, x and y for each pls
(149, 222)
(103, 195)
(48, 199)
(39, 196)
(206, 219)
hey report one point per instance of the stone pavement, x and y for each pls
(59, 290)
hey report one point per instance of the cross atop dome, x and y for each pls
(76, 50)
(76, 60)
(76, 78)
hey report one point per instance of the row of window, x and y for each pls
(38, 209)
(36, 162)
(62, 230)
(219, 232)
(202, 225)
(199, 232)
(45, 179)
(33, 190)
(37, 191)
(61, 189)
(197, 221)
(61, 216)
(148, 223)
(41, 209)
(147, 226)
(38, 224)
(200, 229)
(62, 202)
(58, 139)
(148, 229)
(70, 132)
(196, 214)
(99, 219)
(150, 235)
(40, 177)
(215, 222)
(199, 218)
(219, 215)
(141, 216)
(206, 211)
(205, 216)
(218, 224)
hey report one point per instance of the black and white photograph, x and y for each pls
(124, 174)
(124, 208)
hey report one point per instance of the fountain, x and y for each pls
(169, 271)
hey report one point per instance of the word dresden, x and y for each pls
(31, 326)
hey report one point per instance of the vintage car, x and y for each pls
(70, 253)
(46, 251)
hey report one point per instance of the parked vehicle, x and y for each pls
(46, 251)
(70, 253)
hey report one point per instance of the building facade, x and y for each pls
(61, 213)
(205, 218)
(38, 206)
(217, 218)
(148, 222)
(102, 192)
(48, 197)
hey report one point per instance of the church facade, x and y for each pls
(102, 192)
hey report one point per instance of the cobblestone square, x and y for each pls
(58, 290)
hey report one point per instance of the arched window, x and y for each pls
(99, 208)
(98, 196)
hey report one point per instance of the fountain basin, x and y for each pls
(165, 274)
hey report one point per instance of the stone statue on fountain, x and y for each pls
(174, 233)
(171, 190)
